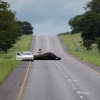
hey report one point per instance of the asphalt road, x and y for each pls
(65, 79)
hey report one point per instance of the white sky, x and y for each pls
(48, 17)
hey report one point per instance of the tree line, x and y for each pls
(88, 24)
(10, 27)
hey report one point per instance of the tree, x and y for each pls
(20, 31)
(90, 26)
(93, 6)
(8, 27)
(26, 27)
(74, 23)
(98, 43)
(88, 23)
(87, 44)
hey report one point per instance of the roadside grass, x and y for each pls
(74, 46)
(8, 61)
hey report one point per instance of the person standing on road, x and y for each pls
(39, 51)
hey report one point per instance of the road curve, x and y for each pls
(65, 79)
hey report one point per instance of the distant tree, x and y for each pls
(19, 31)
(65, 33)
(26, 27)
(75, 23)
(20, 25)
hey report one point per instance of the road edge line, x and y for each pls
(23, 84)
(78, 61)
(27, 71)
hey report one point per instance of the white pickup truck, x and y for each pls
(24, 56)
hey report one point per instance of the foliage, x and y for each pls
(87, 44)
(26, 27)
(65, 33)
(93, 6)
(88, 23)
(98, 43)
(73, 43)
(90, 26)
(8, 61)
(74, 23)
(8, 27)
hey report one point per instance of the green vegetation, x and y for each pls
(86, 45)
(8, 61)
(26, 27)
(74, 45)
(10, 28)
(88, 24)
(10, 31)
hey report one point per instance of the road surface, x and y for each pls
(65, 79)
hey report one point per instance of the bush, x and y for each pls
(87, 44)
(98, 43)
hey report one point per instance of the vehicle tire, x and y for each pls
(32, 60)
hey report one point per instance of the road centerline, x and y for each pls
(27, 71)
(23, 84)
(48, 45)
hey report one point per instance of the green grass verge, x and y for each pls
(8, 61)
(74, 46)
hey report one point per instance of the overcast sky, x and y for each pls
(48, 17)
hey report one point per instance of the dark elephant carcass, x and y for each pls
(46, 56)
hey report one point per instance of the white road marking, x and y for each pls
(74, 86)
(72, 80)
(81, 97)
(79, 92)
(48, 45)
(61, 70)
